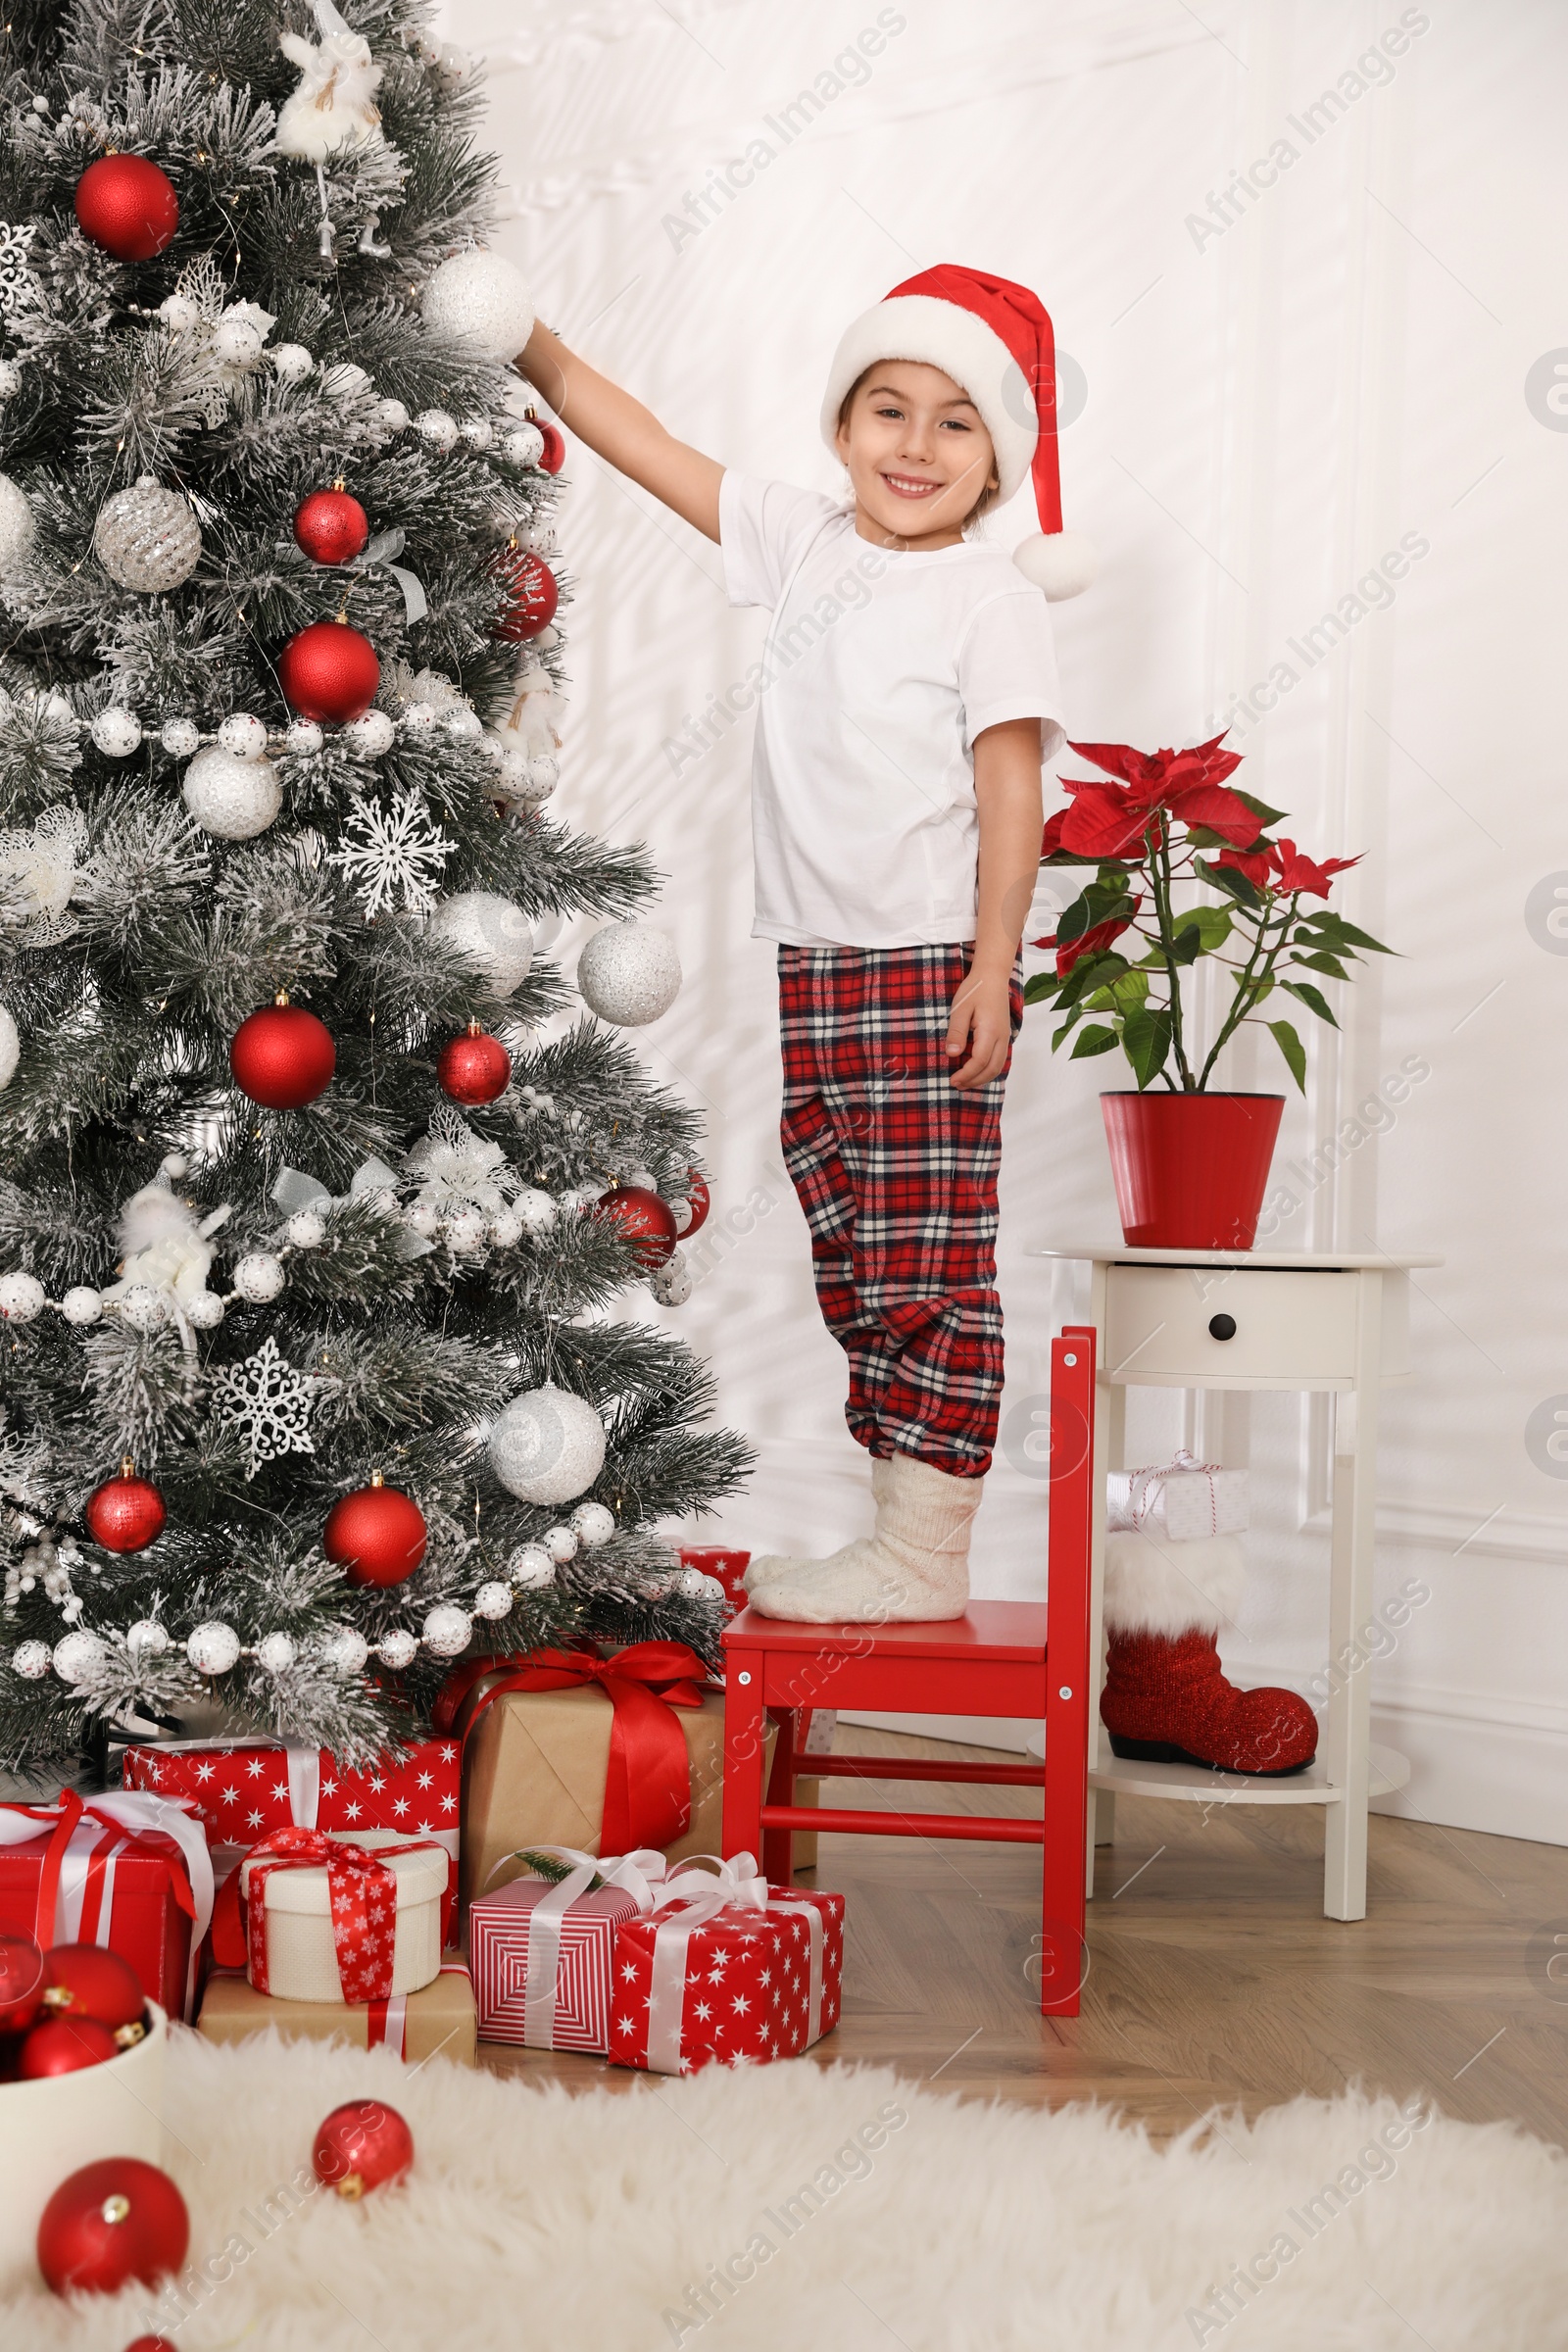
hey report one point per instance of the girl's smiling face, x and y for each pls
(919, 458)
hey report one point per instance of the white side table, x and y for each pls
(1333, 1320)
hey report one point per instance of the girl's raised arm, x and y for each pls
(622, 432)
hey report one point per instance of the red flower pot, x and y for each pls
(1189, 1170)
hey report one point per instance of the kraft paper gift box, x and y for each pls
(437, 2022)
(535, 1766)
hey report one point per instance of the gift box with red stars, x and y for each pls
(695, 1981)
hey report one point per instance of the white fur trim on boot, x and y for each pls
(1153, 1586)
(915, 1568)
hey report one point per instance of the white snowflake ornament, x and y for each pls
(391, 856)
(19, 289)
(269, 1402)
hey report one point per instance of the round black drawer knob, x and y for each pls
(1222, 1327)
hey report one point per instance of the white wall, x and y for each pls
(1270, 409)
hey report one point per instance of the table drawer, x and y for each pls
(1244, 1326)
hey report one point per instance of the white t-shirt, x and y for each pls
(880, 670)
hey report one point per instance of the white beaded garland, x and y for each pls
(419, 719)
(82, 1305)
(629, 973)
(536, 1210)
(462, 724)
(306, 1228)
(561, 1543)
(345, 1651)
(291, 363)
(371, 735)
(147, 1638)
(477, 432)
(214, 1647)
(342, 379)
(276, 1653)
(9, 379)
(398, 1649)
(479, 298)
(16, 525)
(178, 312)
(466, 1229)
(544, 774)
(531, 1568)
(79, 1657)
(493, 1600)
(446, 1630)
(141, 1307)
(593, 1523)
(424, 1218)
(547, 1446)
(237, 341)
(671, 1283)
(259, 1277)
(180, 737)
(204, 1311)
(437, 429)
(506, 1228)
(31, 1661)
(10, 1047)
(147, 538)
(243, 735)
(116, 731)
(524, 445)
(22, 1297)
(693, 1585)
(231, 798)
(392, 415)
(491, 931)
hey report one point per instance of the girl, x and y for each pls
(908, 695)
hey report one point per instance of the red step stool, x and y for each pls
(1000, 1657)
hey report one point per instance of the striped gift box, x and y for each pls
(545, 1980)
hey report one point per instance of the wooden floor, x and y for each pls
(1214, 1977)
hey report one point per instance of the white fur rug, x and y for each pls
(854, 2212)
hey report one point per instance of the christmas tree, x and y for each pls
(313, 1380)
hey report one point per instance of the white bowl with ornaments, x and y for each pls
(50, 2128)
(300, 1955)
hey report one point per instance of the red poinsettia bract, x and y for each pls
(1114, 820)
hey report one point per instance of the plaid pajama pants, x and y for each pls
(895, 1170)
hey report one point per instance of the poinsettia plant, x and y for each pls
(1169, 828)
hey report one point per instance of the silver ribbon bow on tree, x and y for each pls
(382, 548)
(294, 1191)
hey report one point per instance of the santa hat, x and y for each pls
(995, 340)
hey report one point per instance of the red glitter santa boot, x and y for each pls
(1166, 1699)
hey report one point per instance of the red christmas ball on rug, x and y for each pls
(693, 1216)
(377, 1535)
(331, 526)
(362, 2145)
(474, 1067)
(329, 672)
(21, 1982)
(86, 1979)
(65, 2046)
(126, 1513)
(552, 455)
(645, 1217)
(531, 595)
(151, 2344)
(128, 206)
(113, 2222)
(283, 1057)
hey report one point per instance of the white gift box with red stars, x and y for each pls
(694, 1983)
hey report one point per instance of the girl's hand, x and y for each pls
(982, 1021)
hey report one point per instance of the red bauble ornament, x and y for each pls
(65, 2046)
(329, 673)
(474, 1067)
(332, 527)
(698, 1201)
(113, 2222)
(531, 595)
(283, 1057)
(376, 1534)
(362, 2145)
(126, 1513)
(152, 2343)
(86, 1979)
(21, 1982)
(128, 206)
(645, 1217)
(552, 455)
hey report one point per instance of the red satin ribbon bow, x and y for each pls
(60, 1819)
(361, 1895)
(648, 1792)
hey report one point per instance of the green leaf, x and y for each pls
(1322, 962)
(1066, 1029)
(1312, 998)
(1214, 924)
(1094, 1041)
(1129, 991)
(1146, 1041)
(1188, 944)
(1040, 986)
(1260, 808)
(1094, 971)
(1074, 920)
(1291, 1045)
(1334, 927)
(1235, 885)
(1256, 989)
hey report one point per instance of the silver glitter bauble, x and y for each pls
(524, 445)
(291, 363)
(82, 1307)
(16, 525)
(243, 735)
(344, 1651)
(371, 735)
(594, 1524)
(491, 931)
(180, 737)
(10, 1047)
(547, 1446)
(233, 799)
(446, 1630)
(276, 1653)
(531, 1568)
(493, 1600)
(117, 732)
(31, 1661)
(477, 432)
(391, 416)
(479, 298)
(259, 1277)
(22, 1297)
(629, 973)
(78, 1657)
(214, 1647)
(147, 538)
(147, 1638)
(437, 429)
(398, 1649)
